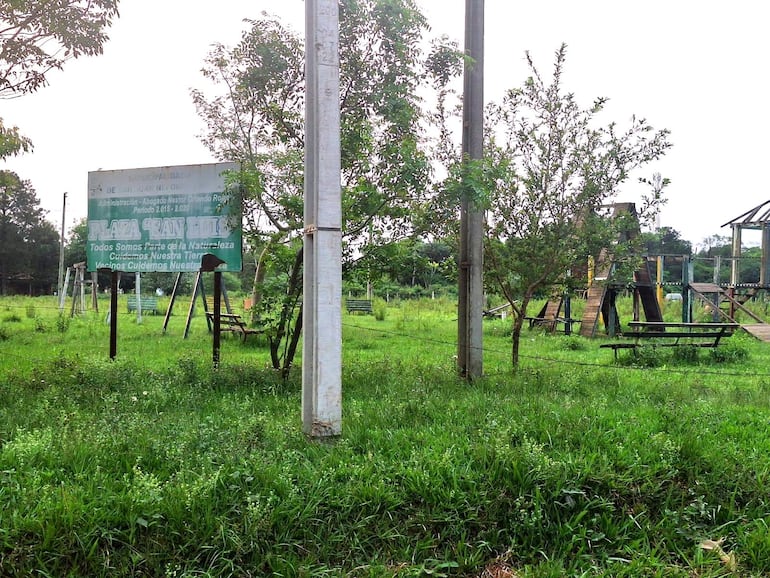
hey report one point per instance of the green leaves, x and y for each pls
(40, 35)
(28, 242)
(12, 142)
(552, 167)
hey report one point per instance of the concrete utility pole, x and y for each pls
(471, 285)
(322, 299)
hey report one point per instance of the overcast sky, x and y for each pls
(698, 68)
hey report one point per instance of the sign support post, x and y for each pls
(114, 275)
(171, 219)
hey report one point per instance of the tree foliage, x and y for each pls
(29, 244)
(411, 263)
(257, 119)
(37, 36)
(666, 241)
(550, 171)
(12, 142)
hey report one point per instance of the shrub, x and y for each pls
(40, 326)
(380, 310)
(62, 323)
(30, 311)
(572, 343)
(731, 351)
(644, 356)
(685, 353)
(12, 318)
(5, 335)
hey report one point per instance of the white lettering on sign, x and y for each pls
(165, 228)
(115, 230)
(207, 228)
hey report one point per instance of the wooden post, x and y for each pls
(65, 288)
(635, 305)
(217, 317)
(763, 267)
(736, 254)
(197, 287)
(686, 294)
(95, 291)
(114, 276)
(612, 312)
(171, 301)
(567, 313)
(138, 292)
(717, 267)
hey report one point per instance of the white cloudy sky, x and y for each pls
(698, 68)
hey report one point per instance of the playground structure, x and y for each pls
(649, 285)
(78, 273)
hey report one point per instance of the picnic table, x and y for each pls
(672, 334)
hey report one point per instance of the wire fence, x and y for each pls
(570, 362)
(421, 337)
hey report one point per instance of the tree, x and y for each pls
(43, 258)
(37, 36)
(29, 245)
(12, 142)
(721, 247)
(258, 120)
(666, 241)
(550, 169)
(410, 263)
(75, 247)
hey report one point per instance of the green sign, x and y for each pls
(162, 219)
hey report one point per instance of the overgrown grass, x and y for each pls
(158, 465)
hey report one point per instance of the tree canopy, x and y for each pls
(551, 169)
(28, 242)
(37, 36)
(256, 118)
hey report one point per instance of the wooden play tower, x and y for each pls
(737, 292)
(602, 293)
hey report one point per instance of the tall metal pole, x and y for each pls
(322, 280)
(60, 286)
(471, 285)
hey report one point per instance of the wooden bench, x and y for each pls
(498, 311)
(674, 334)
(233, 323)
(533, 321)
(149, 304)
(360, 305)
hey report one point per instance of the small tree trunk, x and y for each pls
(292, 350)
(259, 277)
(518, 323)
(293, 295)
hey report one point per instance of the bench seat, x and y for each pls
(360, 305)
(235, 324)
(149, 304)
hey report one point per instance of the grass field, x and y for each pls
(158, 465)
